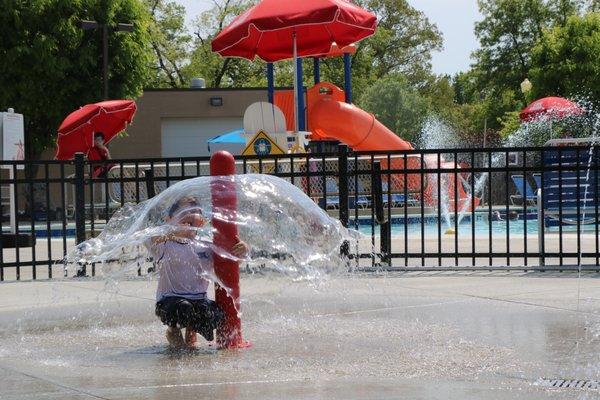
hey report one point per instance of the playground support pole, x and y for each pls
(317, 68)
(300, 88)
(300, 125)
(348, 77)
(296, 100)
(224, 203)
(270, 82)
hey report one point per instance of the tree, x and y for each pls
(219, 71)
(397, 105)
(566, 59)
(170, 43)
(50, 66)
(509, 31)
(403, 42)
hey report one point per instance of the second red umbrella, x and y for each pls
(550, 107)
(76, 133)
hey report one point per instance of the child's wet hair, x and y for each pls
(184, 201)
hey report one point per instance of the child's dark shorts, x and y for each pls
(201, 315)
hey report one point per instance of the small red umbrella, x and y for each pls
(76, 133)
(550, 107)
(270, 28)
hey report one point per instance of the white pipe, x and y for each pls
(12, 205)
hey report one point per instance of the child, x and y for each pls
(99, 152)
(183, 264)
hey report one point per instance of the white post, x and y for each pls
(13, 206)
(296, 116)
(12, 148)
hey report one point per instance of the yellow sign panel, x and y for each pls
(262, 145)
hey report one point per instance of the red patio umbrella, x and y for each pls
(76, 133)
(550, 107)
(267, 29)
(277, 30)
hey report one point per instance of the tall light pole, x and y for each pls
(92, 25)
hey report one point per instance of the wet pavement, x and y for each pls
(409, 336)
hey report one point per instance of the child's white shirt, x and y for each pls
(184, 267)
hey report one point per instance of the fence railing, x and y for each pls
(516, 208)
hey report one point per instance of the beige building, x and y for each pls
(179, 122)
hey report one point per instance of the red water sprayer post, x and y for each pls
(224, 204)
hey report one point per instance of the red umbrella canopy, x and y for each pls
(76, 133)
(266, 30)
(550, 107)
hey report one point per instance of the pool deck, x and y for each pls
(385, 336)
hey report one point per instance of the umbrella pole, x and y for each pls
(296, 113)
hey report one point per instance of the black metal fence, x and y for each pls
(447, 209)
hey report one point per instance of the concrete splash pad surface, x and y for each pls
(413, 336)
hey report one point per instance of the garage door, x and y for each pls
(188, 137)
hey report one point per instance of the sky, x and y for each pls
(454, 18)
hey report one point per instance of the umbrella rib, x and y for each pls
(121, 123)
(79, 126)
(258, 42)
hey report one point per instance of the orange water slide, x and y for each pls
(329, 117)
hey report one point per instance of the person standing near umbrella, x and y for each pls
(99, 152)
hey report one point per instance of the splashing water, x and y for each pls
(285, 230)
(438, 135)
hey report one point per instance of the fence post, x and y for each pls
(343, 192)
(384, 223)
(541, 227)
(149, 174)
(343, 183)
(80, 204)
(150, 193)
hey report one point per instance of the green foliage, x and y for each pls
(402, 44)
(170, 43)
(510, 122)
(397, 105)
(507, 33)
(566, 59)
(50, 66)
(441, 95)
